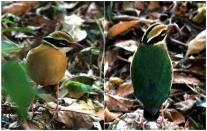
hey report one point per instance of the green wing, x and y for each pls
(151, 75)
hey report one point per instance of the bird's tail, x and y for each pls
(151, 114)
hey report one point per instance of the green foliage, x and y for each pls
(11, 16)
(55, 7)
(8, 46)
(8, 21)
(21, 29)
(100, 27)
(16, 85)
(110, 17)
(91, 50)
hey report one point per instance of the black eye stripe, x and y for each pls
(156, 39)
(144, 38)
(56, 42)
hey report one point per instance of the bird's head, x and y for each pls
(154, 34)
(157, 33)
(62, 41)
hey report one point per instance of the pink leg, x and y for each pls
(162, 121)
(162, 114)
(142, 122)
(55, 114)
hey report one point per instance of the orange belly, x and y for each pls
(46, 65)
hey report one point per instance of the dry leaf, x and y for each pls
(43, 22)
(188, 125)
(175, 116)
(125, 89)
(74, 116)
(106, 25)
(153, 5)
(200, 16)
(109, 116)
(72, 25)
(173, 90)
(95, 107)
(139, 4)
(129, 45)
(181, 9)
(185, 105)
(115, 80)
(110, 58)
(120, 27)
(70, 5)
(197, 44)
(116, 103)
(182, 79)
(108, 85)
(29, 125)
(194, 69)
(18, 8)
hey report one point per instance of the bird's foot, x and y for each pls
(142, 123)
(162, 123)
(55, 112)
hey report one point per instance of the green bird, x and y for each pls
(151, 71)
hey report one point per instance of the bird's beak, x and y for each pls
(76, 45)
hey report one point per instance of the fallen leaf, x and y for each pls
(72, 25)
(153, 5)
(100, 113)
(70, 5)
(106, 25)
(181, 9)
(197, 70)
(109, 61)
(116, 103)
(94, 106)
(120, 27)
(18, 8)
(42, 22)
(139, 4)
(74, 116)
(173, 90)
(197, 44)
(109, 116)
(115, 80)
(175, 116)
(182, 79)
(185, 105)
(94, 11)
(129, 45)
(125, 89)
(188, 125)
(200, 16)
(29, 125)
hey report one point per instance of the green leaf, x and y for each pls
(16, 85)
(8, 46)
(92, 50)
(21, 29)
(8, 21)
(110, 11)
